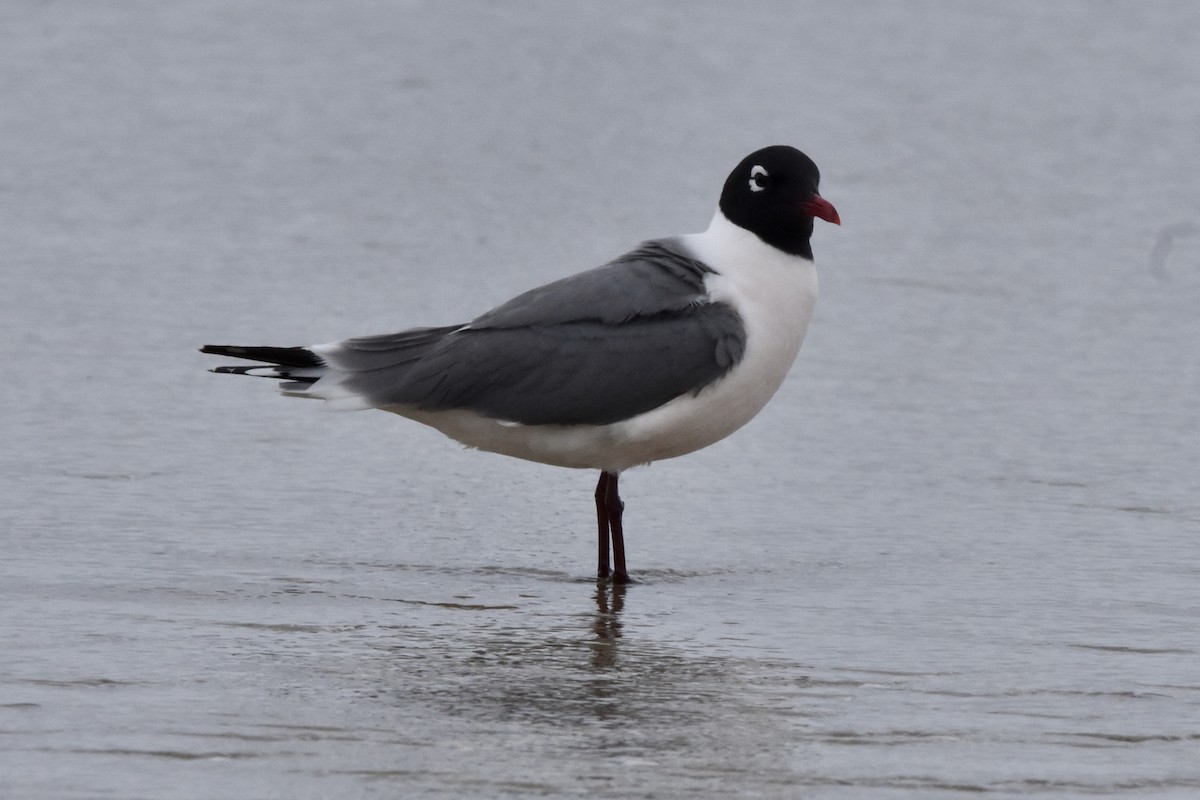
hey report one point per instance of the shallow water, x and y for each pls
(957, 555)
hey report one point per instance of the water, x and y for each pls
(957, 555)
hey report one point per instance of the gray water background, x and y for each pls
(957, 555)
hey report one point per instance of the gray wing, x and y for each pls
(594, 348)
(656, 277)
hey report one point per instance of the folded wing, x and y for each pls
(594, 348)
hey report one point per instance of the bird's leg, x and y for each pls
(602, 570)
(615, 508)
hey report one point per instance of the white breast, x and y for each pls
(774, 294)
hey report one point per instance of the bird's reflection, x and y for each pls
(610, 601)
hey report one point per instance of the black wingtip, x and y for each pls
(283, 356)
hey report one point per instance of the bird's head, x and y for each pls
(773, 194)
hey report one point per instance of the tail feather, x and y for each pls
(367, 372)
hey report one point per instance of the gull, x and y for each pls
(658, 353)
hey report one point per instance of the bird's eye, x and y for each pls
(758, 178)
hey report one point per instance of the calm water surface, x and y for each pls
(958, 555)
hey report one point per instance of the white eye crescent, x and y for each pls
(756, 174)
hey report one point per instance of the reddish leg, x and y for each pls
(615, 510)
(608, 521)
(602, 570)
